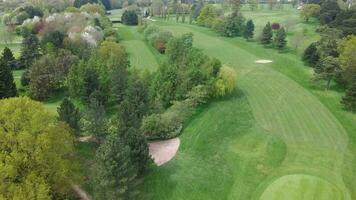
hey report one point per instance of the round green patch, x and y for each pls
(302, 187)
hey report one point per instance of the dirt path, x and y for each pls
(164, 151)
(81, 193)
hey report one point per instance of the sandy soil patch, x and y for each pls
(263, 61)
(163, 151)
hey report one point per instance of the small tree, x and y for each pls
(68, 113)
(115, 174)
(311, 55)
(280, 39)
(30, 50)
(310, 10)
(226, 81)
(129, 17)
(249, 29)
(326, 69)
(7, 84)
(349, 100)
(8, 58)
(267, 34)
(90, 83)
(94, 121)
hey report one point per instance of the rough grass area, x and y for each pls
(277, 125)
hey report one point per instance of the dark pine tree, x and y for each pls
(349, 100)
(68, 113)
(249, 29)
(129, 17)
(311, 56)
(280, 39)
(119, 84)
(267, 34)
(30, 50)
(95, 120)
(7, 84)
(115, 173)
(9, 58)
(91, 83)
(107, 4)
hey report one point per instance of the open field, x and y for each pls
(275, 130)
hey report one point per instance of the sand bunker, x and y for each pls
(163, 151)
(263, 61)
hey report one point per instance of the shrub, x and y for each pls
(161, 40)
(311, 56)
(226, 81)
(129, 17)
(150, 32)
(275, 26)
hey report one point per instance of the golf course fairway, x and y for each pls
(271, 139)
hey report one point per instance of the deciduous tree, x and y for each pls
(37, 153)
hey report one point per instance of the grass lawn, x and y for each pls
(277, 137)
(142, 55)
(15, 45)
(300, 34)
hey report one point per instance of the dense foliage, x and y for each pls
(129, 17)
(37, 153)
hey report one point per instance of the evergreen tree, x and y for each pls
(267, 34)
(249, 29)
(134, 106)
(90, 83)
(311, 56)
(8, 58)
(30, 50)
(327, 69)
(119, 84)
(94, 122)
(7, 84)
(68, 113)
(115, 174)
(349, 100)
(107, 4)
(280, 39)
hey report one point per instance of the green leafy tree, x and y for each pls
(7, 84)
(310, 10)
(249, 29)
(327, 69)
(253, 4)
(349, 100)
(280, 39)
(30, 50)
(9, 58)
(347, 57)
(69, 114)
(120, 77)
(207, 16)
(231, 26)
(115, 173)
(267, 34)
(37, 153)
(226, 82)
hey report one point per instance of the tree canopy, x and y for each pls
(37, 153)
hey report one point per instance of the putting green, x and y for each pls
(302, 187)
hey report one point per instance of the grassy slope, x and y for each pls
(272, 118)
(14, 46)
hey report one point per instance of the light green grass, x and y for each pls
(141, 54)
(234, 149)
(15, 45)
(116, 14)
